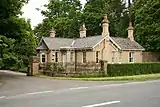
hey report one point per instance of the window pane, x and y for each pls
(97, 56)
(43, 58)
(56, 55)
(84, 57)
(71, 56)
(131, 57)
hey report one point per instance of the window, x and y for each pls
(120, 57)
(97, 56)
(131, 56)
(56, 56)
(113, 56)
(71, 57)
(53, 57)
(43, 58)
(84, 57)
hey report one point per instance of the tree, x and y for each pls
(118, 16)
(5, 43)
(63, 15)
(9, 8)
(147, 24)
(17, 42)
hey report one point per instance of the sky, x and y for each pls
(30, 12)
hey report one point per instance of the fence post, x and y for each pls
(104, 65)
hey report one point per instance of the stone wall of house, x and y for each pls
(151, 56)
(137, 57)
(109, 52)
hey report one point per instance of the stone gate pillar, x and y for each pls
(33, 67)
(104, 65)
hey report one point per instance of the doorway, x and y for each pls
(64, 58)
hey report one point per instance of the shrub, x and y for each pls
(55, 67)
(87, 74)
(133, 69)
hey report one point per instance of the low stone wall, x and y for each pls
(53, 69)
(151, 56)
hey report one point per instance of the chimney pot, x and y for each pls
(83, 31)
(131, 32)
(52, 33)
(105, 26)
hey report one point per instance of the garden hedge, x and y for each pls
(133, 69)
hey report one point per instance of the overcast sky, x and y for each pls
(31, 12)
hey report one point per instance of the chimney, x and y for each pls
(83, 31)
(52, 33)
(130, 32)
(105, 26)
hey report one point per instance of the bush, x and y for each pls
(133, 69)
(54, 67)
(86, 74)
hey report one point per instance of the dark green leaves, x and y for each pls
(64, 16)
(17, 41)
(147, 24)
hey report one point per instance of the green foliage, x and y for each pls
(133, 69)
(6, 45)
(17, 42)
(87, 74)
(64, 16)
(55, 67)
(94, 10)
(147, 23)
(10, 8)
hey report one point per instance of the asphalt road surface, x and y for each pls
(18, 90)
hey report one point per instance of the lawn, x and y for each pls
(121, 78)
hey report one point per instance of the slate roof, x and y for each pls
(41, 45)
(126, 44)
(57, 43)
(88, 42)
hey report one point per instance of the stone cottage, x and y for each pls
(90, 49)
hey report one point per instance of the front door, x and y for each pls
(64, 57)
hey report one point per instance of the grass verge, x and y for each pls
(122, 78)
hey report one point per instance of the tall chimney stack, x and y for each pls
(105, 26)
(83, 31)
(130, 32)
(52, 33)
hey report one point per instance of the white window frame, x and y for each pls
(42, 57)
(56, 58)
(97, 56)
(53, 57)
(71, 56)
(131, 57)
(83, 57)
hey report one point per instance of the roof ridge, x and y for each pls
(89, 37)
(59, 38)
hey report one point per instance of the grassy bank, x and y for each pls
(120, 78)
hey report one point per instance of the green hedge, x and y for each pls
(133, 69)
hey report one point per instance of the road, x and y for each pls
(22, 91)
